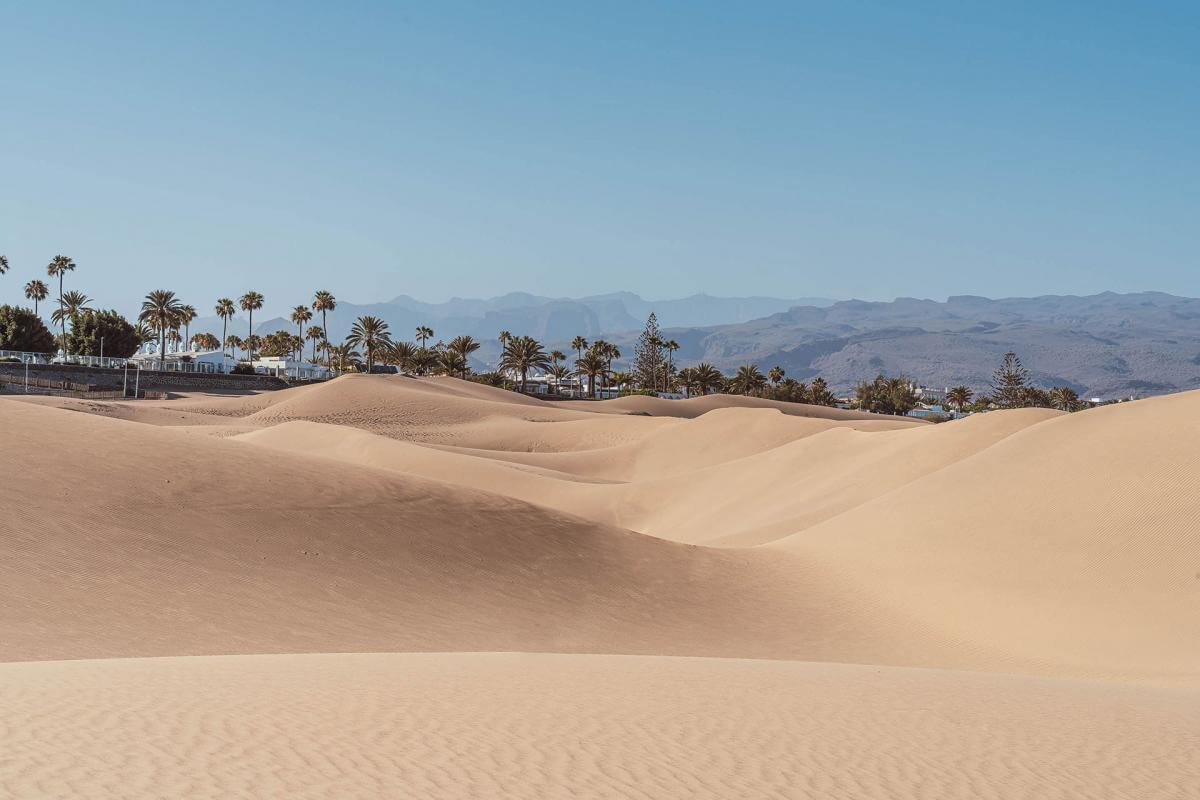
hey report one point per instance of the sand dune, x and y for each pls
(695, 406)
(536, 726)
(388, 515)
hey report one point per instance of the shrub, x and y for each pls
(242, 368)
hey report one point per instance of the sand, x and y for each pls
(392, 586)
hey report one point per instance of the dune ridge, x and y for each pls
(723, 597)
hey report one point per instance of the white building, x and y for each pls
(220, 362)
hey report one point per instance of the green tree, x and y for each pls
(203, 342)
(23, 331)
(250, 302)
(648, 354)
(463, 346)
(959, 396)
(1009, 382)
(1064, 398)
(818, 394)
(89, 328)
(775, 375)
(423, 334)
(592, 365)
(708, 378)
(300, 315)
(160, 312)
(69, 307)
(370, 333)
(58, 267)
(749, 380)
(315, 333)
(187, 313)
(579, 344)
(324, 302)
(225, 310)
(36, 291)
(522, 354)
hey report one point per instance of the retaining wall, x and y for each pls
(113, 379)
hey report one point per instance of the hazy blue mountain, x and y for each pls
(1106, 345)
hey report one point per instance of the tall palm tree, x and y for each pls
(522, 354)
(464, 346)
(959, 396)
(251, 301)
(234, 343)
(371, 333)
(555, 357)
(609, 351)
(4, 265)
(424, 333)
(316, 333)
(225, 310)
(36, 291)
(58, 267)
(301, 315)
(324, 301)
(160, 310)
(579, 344)
(671, 346)
(594, 366)
(187, 313)
(70, 305)
(775, 375)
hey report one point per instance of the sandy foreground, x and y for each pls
(477, 594)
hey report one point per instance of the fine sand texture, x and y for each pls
(390, 586)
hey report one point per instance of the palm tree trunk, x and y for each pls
(328, 353)
(62, 316)
(250, 345)
(162, 347)
(224, 329)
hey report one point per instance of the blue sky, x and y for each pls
(841, 149)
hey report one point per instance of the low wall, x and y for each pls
(113, 379)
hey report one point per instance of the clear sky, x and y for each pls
(840, 149)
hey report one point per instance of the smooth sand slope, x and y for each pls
(1016, 556)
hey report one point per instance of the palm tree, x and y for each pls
(555, 357)
(204, 341)
(559, 371)
(424, 333)
(400, 354)
(620, 379)
(609, 351)
(160, 310)
(251, 344)
(70, 304)
(315, 333)
(464, 346)
(3, 264)
(671, 346)
(1064, 398)
(521, 354)
(708, 378)
(60, 266)
(959, 396)
(234, 343)
(372, 334)
(301, 315)
(452, 362)
(775, 375)
(341, 356)
(36, 291)
(225, 310)
(186, 315)
(324, 301)
(578, 344)
(251, 301)
(594, 366)
(748, 380)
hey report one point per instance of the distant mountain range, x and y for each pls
(545, 318)
(1106, 345)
